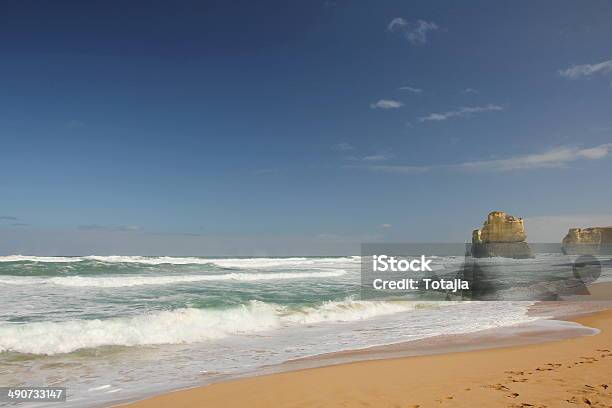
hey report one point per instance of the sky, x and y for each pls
(303, 127)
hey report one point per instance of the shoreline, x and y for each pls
(343, 370)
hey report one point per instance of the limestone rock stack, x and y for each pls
(587, 241)
(501, 235)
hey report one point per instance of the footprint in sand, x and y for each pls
(604, 386)
(513, 395)
(498, 387)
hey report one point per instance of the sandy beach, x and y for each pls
(570, 372)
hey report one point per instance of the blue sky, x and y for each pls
(298, 127)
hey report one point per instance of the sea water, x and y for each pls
(115, 328)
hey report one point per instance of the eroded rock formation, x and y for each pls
(501, 235)
(587, 241)
(500, 227)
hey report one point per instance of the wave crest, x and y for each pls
(162, 260)
(186, 325)
(127, 281)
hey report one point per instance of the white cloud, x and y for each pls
(343, 147)
(418, 34)
(396, 23)
(378, 157)
(470, 91)
(386, 104)
(586, 70)
(120, 228)
(557, 157)
(461, 112)
(386, 226)
(399, 169)
(415, 32)
(410, 89)
(554, 158)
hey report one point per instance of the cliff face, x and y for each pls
(501, 235)
(582, 236)
(500, 227)
(586, 241)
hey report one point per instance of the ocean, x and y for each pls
(115, 328)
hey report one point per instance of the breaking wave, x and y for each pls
(161, 260)
(187, 325)
(127, 281)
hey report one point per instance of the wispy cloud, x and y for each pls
(371, 158)
(386, 104)
(8, 218)
(586, 70)
(342, 147)
(415, 32)
(410, 89)
(459, 113)
(557, 157)
(377, 157)
(470, 91)
(399, 169)
(385, 226)
(121, 228)
(396, 24)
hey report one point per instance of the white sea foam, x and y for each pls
(351, 310)
(167, 327)
(45, 259)
(127, 281)
(251, 263)
(187, 325)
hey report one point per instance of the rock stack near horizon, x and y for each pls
(587, 241)
(501, 235)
